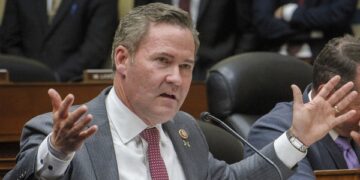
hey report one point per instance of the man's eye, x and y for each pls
(163, 60)
(186, 66)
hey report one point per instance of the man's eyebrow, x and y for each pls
(164, 54)
(190, 61)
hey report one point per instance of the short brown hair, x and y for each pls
(340, 56)
(134, 26)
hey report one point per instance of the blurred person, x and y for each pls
(301, 28)
(340, 56)
(68, 36)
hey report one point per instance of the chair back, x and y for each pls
(222, 144)
(244, 87)
(26, 70)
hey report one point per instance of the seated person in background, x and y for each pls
(67, 36)
(134, 130)
(301, 28)
(340, 56)
(224, 29)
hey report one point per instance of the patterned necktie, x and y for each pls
(348, 152)
(185, 5)
(156, 163)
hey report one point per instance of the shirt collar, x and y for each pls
(309, 95)
(126, 124)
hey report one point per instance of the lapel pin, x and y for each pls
(184, 136)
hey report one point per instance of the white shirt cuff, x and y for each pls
(286, 152)
(47, 165)
(288, 11)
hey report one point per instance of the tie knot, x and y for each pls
(343, 143)
(151, 135)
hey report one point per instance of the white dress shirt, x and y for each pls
(130, 148)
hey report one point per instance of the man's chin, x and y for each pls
(164, 116)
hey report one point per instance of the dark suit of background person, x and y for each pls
(321, 155)
(96, 158)
(331, 17)
(79, 36)
(224, 30)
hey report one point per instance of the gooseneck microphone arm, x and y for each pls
(206, 116)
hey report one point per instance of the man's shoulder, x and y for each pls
(184, 116)
(282, 110)
(280, 115)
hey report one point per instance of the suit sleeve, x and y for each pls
(270, 127)
(327, 15)
(267, 26)
(253, 167)
(97, 41)
(34, 132)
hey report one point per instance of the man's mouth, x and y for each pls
(168, 96)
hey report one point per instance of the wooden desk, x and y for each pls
(4, 76)
(20, 102)
(340, 174)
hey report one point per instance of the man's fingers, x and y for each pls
(55, 99)
(297, 95)
(340, 93)
(342, 118)
(65, 105)
(81, 124)
(88, 132)
(75, 116)
(329, 86)
(344, 103)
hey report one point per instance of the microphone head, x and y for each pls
(205, 116)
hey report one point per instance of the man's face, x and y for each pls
(156, 82)
(352, 124)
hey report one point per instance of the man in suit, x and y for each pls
(134, 130)
(339, 57)
(301, 28)
(66, 35)
(224, 29)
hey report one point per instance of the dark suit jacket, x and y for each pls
(96, 158)
(323, 154)
(224, 30)
(332, 17)
(79, 37)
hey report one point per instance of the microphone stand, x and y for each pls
(206, 116)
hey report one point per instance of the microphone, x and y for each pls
(206, 116)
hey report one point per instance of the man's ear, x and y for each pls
(122, 59)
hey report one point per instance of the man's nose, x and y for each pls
(174, 76)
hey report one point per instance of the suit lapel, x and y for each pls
(184, 153)
(61, 13)
(100, 146)
(335, 153)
